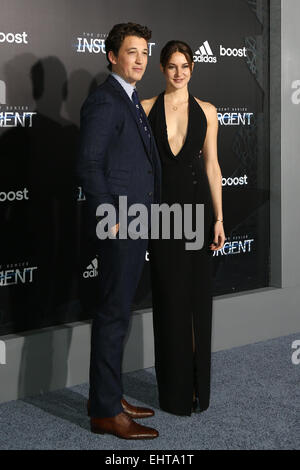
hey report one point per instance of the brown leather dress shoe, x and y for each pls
(122, 426)
(135, 412)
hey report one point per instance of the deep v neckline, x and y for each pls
(166, 127)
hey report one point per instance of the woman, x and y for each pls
(185, 129)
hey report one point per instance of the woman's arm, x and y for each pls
(213, 171)
(147, 104)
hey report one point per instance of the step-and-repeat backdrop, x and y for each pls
(52, 55)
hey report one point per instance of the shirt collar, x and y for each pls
(127, 86)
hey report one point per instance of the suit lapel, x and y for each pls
(130, 105)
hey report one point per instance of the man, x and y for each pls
(117, 157)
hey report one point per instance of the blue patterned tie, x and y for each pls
(141, 117)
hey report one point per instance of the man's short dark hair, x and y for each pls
(119, 32)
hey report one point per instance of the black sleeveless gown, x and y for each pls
(182, 279)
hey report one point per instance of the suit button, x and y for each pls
(150, 194)
(190, 166)
(193, 173)
(195, 182)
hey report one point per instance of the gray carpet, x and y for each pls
(255, 404)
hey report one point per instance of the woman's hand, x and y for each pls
(219, 236)
(114, 230)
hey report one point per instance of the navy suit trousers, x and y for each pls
(120, 267)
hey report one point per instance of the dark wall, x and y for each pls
(52, 56)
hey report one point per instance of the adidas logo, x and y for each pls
(205, 49)
(205, 54)
(92, 269)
